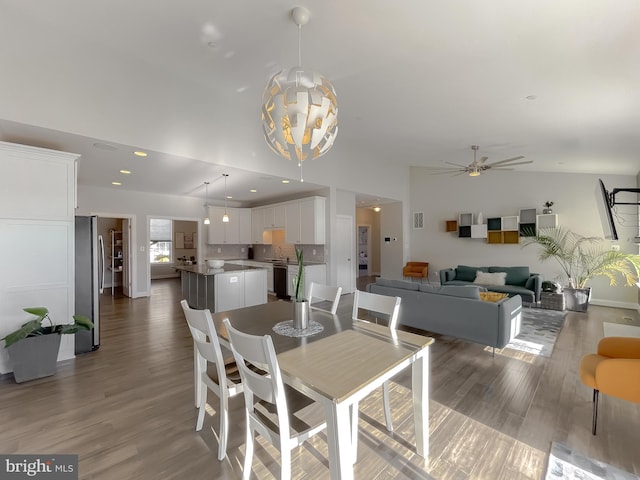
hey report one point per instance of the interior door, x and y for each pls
(126, 257)
(345, 249)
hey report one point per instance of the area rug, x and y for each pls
(567, 464)
(539, 329)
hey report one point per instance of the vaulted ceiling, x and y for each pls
(418, 82)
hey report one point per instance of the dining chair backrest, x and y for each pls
(388, 306)
(320, 292)
(266, 383)
(207, 350)
(204, 336)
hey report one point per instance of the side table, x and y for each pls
(552, 301)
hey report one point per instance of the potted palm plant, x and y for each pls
(33, 348)
(582, 258)
(300, 304)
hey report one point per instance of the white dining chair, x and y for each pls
(207, 350)
(320, 293)
(389, 307)
(253, 353)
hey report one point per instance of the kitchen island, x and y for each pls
(226, 288)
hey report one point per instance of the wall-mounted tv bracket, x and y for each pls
(612, 196)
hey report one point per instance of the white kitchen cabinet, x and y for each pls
(255, 287)
(274, 217)
(236, 231)
(306, 221)
(292, 228)
(37, 240)
(257, 225)
(311, 273)
(215, 229)
(312, 221)
(244, 216)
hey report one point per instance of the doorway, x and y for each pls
(115, 232)
(364, 250)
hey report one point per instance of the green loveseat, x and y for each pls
(518, 281)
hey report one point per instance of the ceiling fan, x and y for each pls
(477, 167)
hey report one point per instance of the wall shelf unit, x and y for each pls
(116, 257)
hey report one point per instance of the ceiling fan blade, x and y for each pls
(512, 164)
(445, 171)
(456, 164)
(505, 161)
(482, 160)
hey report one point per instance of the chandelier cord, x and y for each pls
(300, 45)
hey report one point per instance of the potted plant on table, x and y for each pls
(583, 258)
(300, 305)
(33, 348)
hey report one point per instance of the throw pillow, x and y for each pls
(492, 296)
(484, 278)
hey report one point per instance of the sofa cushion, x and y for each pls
(492, 296)
(468, 274)
(515, 275)
(429, 288)
(485, 278)
(463, 291)
(388, 282)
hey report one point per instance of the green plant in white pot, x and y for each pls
(33, 348)
(583, 258)
(300, 304)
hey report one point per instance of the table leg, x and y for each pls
(420, 388)
(339, 439)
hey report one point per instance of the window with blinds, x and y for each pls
(160, 240)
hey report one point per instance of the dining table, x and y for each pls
(339, 366)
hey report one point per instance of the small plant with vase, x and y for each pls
(547, 208)
(300, 305)
(33, 348)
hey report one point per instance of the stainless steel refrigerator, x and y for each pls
(89, 281)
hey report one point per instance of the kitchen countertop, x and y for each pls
(276, 261)
(205, 270)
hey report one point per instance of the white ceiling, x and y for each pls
(417, 82)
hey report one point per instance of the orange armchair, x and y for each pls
(416, 270)
(614, 370)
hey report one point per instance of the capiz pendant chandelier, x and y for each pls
(299, 108)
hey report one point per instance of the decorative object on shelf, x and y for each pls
(300, 305)
(547, 208)
(225, 217)
(206, 203)
(477, 167)
(479, 219)
(33, 349)
(299, 108)
(582, 258)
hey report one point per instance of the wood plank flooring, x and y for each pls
(128, 409)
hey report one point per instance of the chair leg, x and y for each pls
(224, 427)
(202, 408)
(595, 410)
(248, 451)
(387, 407)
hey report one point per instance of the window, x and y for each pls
(160, 245)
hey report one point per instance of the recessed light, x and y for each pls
(116, 183)
(531, 97)
(285, 181)
(376, 209)
(212, 45)
(126, 172)
(253, 190)
(229, 197)
(140, 153)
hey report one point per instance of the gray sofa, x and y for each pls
(454, 310)
(519, 281)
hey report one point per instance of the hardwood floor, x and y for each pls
(128, 409)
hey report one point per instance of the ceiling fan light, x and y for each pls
(474, 173)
